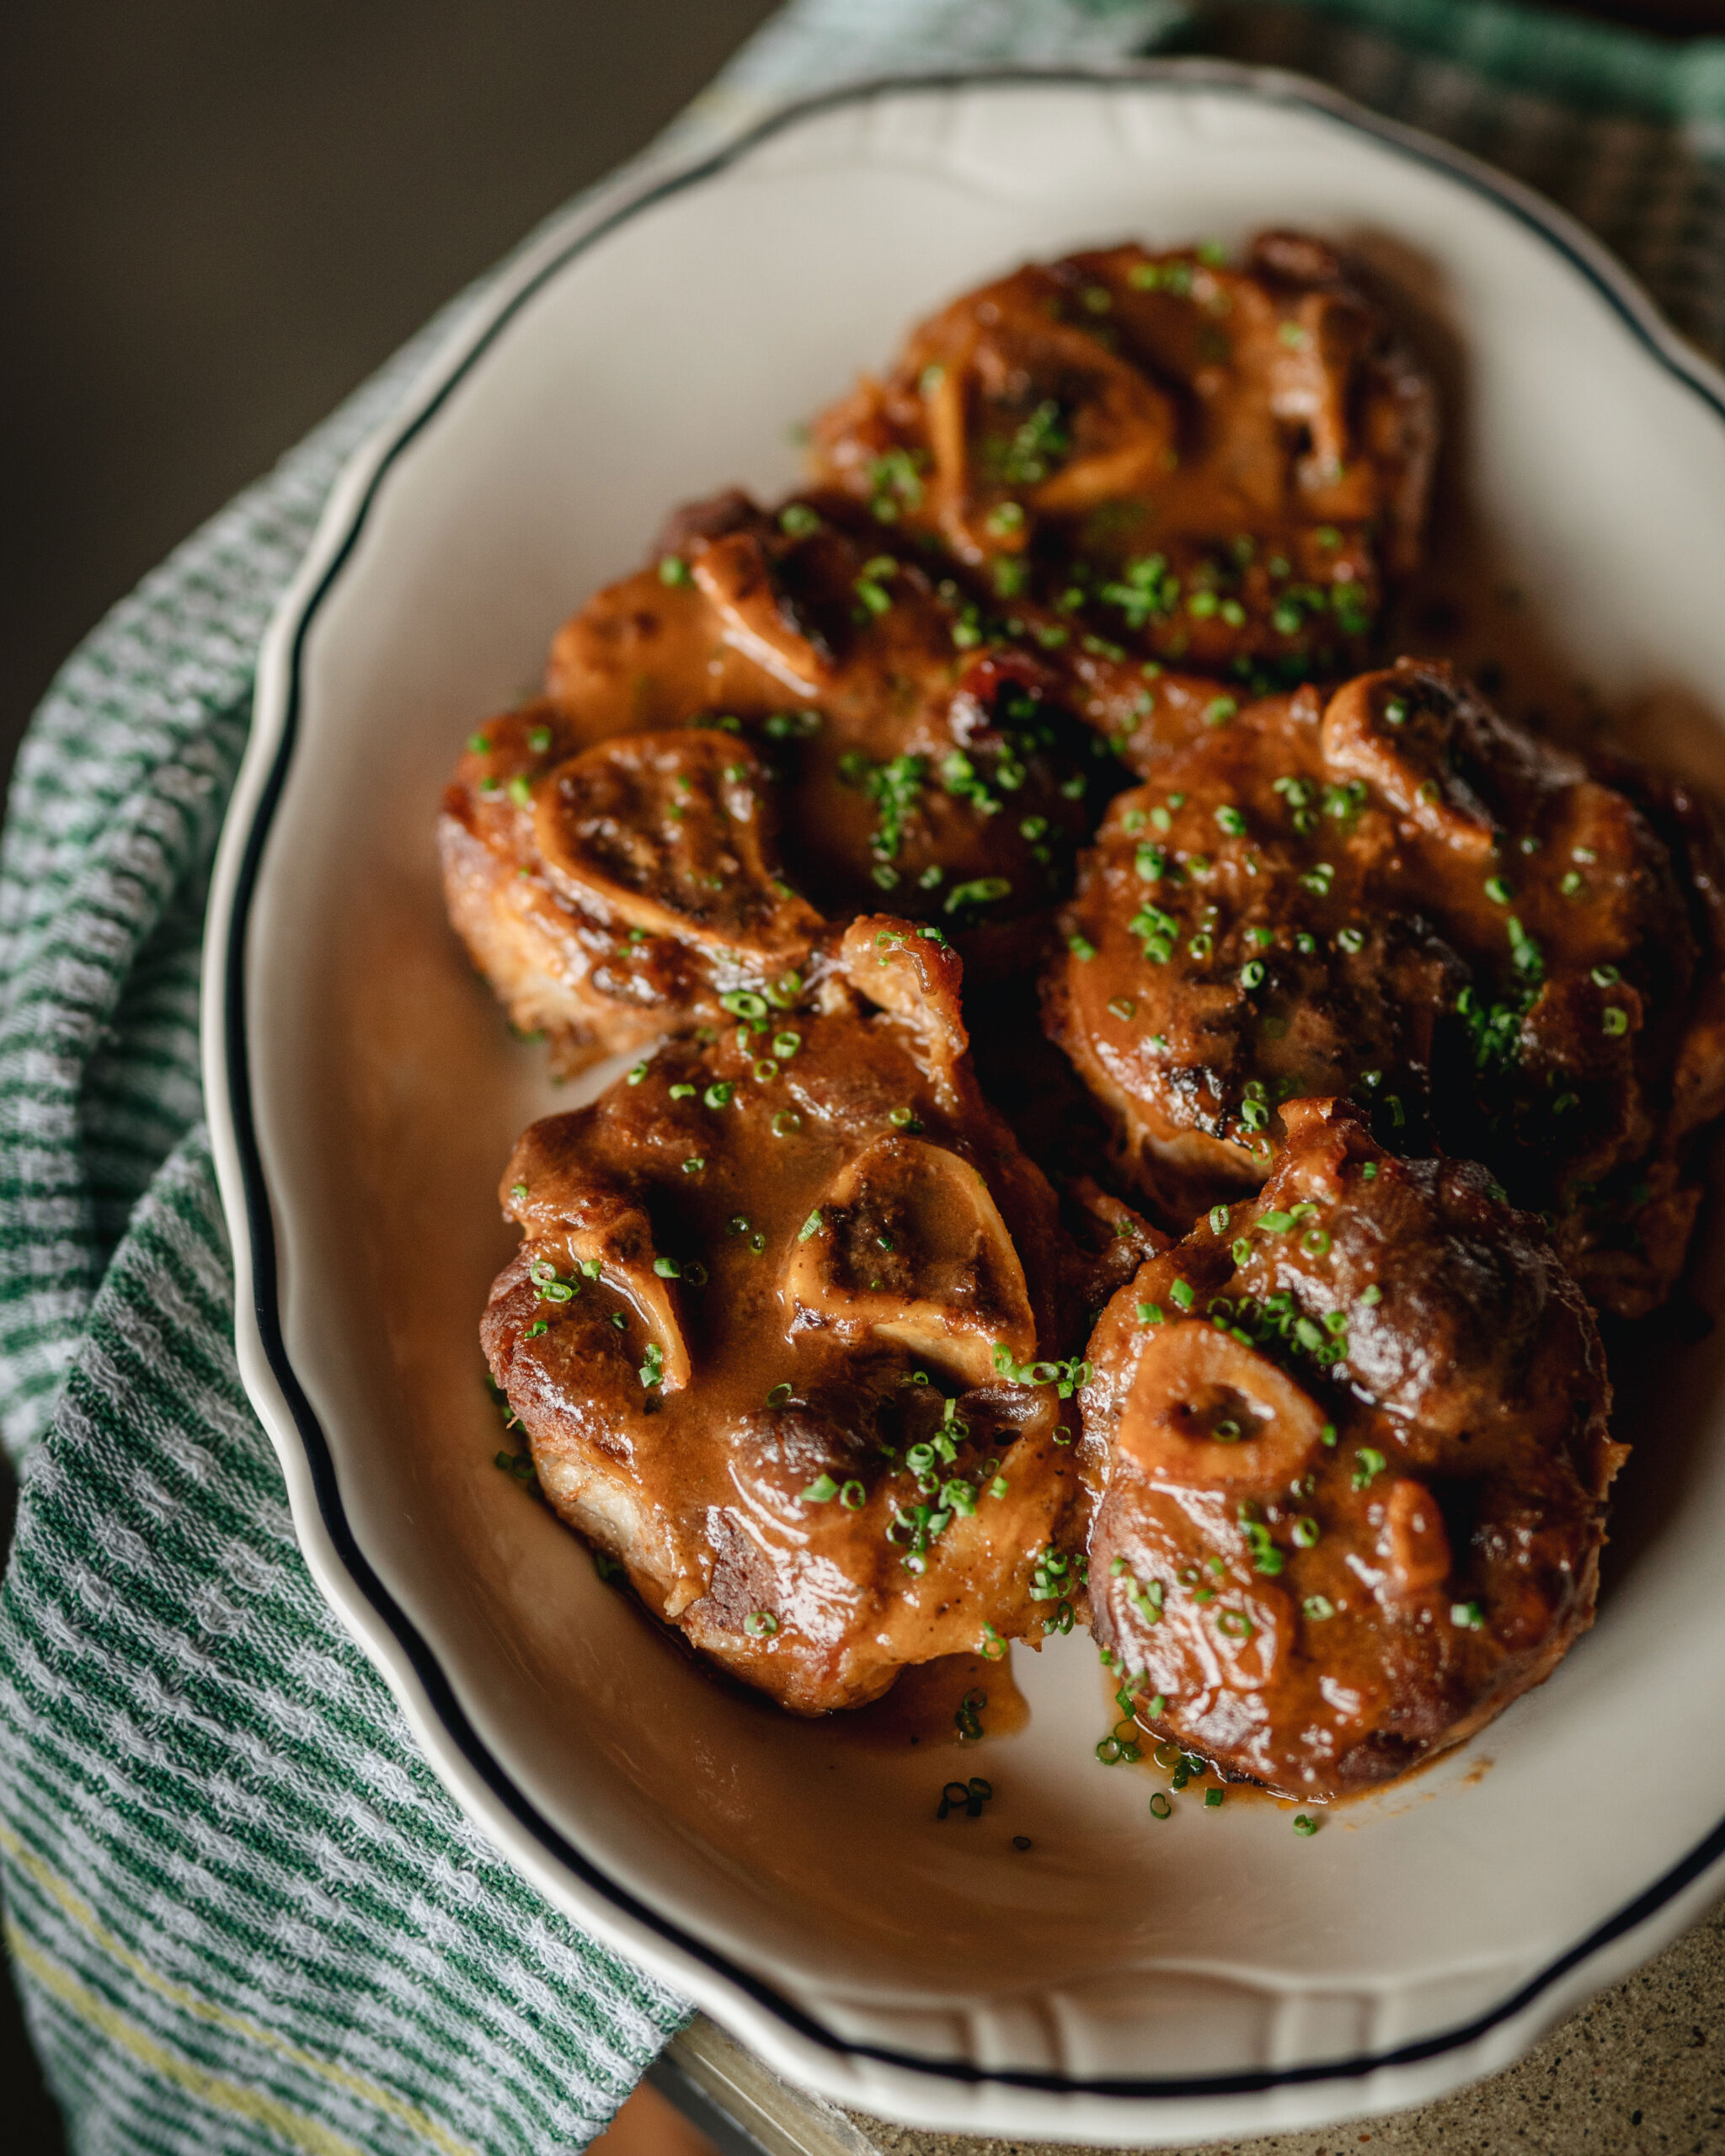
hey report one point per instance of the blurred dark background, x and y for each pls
(215, 220)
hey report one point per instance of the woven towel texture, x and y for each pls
(242, 1913)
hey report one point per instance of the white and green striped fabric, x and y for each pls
(242, 1915)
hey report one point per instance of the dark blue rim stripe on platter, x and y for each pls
(1219, 77)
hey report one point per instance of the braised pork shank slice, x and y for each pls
(916, 758)
(792, 1333)
(1402, 896)
(1214, 468)
(612, 893)
(1350, 1450)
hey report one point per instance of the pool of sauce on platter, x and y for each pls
(955, 1701)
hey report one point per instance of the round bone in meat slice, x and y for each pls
(1342, 1519)
(670, 833)
(815, 1495)
(907, 1243)
(1205, 1409)
(1405, 898)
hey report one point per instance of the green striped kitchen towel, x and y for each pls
(242, 1913)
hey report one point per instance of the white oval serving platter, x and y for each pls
(1122, 1979)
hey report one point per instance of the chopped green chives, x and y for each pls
(812, 1226)
(1304, 1823)
(1160, 1805)
(1182, 1295)
(760, 1624)
(1212, 1799)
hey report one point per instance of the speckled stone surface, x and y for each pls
(1641, 2067)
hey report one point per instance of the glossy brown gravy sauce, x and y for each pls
(1461, 607)
(1248, 1792)
(957, 1701)
(1115, 1725)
